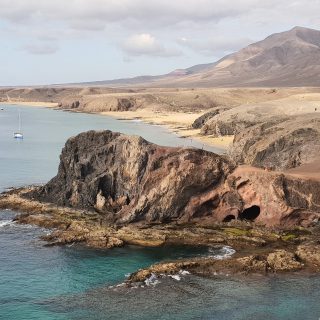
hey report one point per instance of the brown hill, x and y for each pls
(290, 58)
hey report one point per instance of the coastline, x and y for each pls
(31, 104)
(254, 245)
(179, 123)
(257, 250)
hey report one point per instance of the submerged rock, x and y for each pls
(277, 261)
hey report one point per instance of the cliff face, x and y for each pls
(279, 144)
(278, 199)
(127, 179)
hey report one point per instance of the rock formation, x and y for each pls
(127, 179)
(273, 262)
(279, 144)
(274, 199)
(202, 120)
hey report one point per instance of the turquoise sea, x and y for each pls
(73, 282)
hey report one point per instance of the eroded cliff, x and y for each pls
(127, 179)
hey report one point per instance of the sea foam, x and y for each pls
(223, 253)
(5, 223)
(152, 280)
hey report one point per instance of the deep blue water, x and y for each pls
(39, 282)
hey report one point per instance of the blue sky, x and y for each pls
(60, 41)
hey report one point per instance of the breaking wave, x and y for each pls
(222, 253)
(6, 223)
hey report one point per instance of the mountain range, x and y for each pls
(287, 59)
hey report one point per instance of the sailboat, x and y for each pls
(18, 134)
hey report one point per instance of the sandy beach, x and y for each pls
(177, 109)
(177, 122)
(31, 103)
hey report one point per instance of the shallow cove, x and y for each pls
(38, 282)
(31, 272)
(35, 159)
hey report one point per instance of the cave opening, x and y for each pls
(250, 213)
(229, 218)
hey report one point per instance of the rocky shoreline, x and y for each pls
(113, 190)
(258, 250)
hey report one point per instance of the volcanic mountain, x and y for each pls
(290, 58)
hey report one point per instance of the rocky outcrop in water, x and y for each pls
(273, 262)
(127, 179)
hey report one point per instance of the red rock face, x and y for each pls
(127, 179)
(283, 200)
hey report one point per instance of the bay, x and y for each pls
(72, 282)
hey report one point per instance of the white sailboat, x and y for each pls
(18, 134)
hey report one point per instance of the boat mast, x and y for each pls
(19, 122)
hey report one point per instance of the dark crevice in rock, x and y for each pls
(206, 208)
(250, 214)
(229, 218)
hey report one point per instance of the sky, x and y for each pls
(67, 41)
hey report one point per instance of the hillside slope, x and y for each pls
(290, 58)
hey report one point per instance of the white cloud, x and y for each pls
(153, 12)
(97, 14)
(146, 44)
(115, 19)
(91, 29)
(215, 45)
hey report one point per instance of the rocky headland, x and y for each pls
(112, 190)
(277, 135)
(262, 196)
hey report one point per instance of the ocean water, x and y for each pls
(35, 159)
(75, 282)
